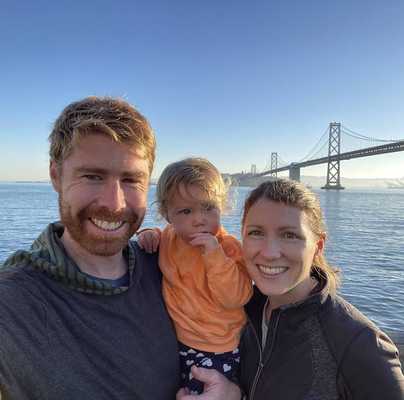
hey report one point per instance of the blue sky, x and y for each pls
(232, 81)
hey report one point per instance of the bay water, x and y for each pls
(365, 238)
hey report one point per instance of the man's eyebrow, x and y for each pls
(140, 174)
(103, 171)
(87, 169)
(135, 174)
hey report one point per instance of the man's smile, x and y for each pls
(107, 226)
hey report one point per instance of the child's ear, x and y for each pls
(164, 213)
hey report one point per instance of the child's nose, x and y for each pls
(199, 218)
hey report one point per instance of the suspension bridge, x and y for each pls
(331, 150)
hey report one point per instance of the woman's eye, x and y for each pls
(255, 232)
(290, 235)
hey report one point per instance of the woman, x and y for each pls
(302, 341)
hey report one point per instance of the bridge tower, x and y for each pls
(274, 163)
(294, 172)
(334, 149)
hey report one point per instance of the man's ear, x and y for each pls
(54, 173)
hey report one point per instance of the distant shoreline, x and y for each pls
(314, 182)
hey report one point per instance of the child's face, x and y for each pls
(190, 212)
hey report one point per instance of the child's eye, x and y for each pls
(185, 211)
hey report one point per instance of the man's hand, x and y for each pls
(208, 241)
(216, 386)
(149, 240)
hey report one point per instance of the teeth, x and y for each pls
(107, 226)
(271, 270)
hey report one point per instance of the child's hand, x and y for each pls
(208, 241)
(149, 240)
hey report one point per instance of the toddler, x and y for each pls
(205, 283)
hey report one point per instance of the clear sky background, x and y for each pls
(229, 80)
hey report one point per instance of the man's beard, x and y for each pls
(100, 244)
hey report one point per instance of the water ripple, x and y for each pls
(366, 236)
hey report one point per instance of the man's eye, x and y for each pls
(92, 177)
(131, 181)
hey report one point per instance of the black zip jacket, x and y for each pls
(322, 348)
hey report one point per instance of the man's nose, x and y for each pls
(113, 196)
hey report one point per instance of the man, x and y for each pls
(82, 315)
(216, 387)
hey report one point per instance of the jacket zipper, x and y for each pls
(261, 364)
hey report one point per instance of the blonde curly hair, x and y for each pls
(191, 171)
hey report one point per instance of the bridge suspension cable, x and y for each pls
(319, 150)
(357, 135)
(314, 150)
(282, 163)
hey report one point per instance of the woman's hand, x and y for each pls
(216, 386)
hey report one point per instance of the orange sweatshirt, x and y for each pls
(205, 293)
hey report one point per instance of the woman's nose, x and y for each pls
(271, 249)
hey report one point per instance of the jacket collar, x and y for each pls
(299, 310)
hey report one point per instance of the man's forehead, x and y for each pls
(86, 142)
(96, 152)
